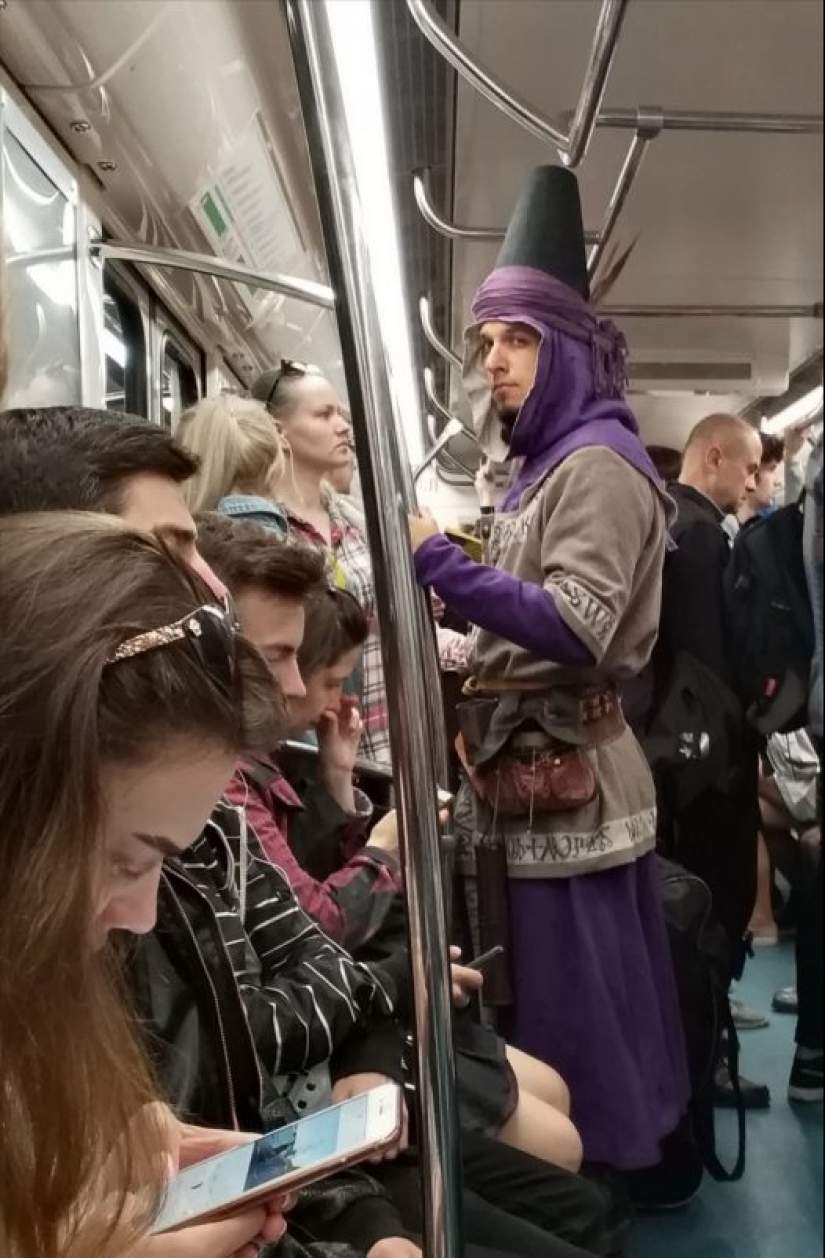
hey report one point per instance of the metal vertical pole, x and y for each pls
(409, 658)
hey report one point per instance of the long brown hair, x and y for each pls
(73, 1083)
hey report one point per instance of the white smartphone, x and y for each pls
(285, 1160)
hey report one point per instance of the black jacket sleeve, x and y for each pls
(693, 617)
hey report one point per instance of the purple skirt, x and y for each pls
(595, 997)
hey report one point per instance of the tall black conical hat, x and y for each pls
(547, 232)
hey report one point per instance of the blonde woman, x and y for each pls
(241, 457)
(317, 439)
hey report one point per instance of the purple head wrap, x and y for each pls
(577, 398)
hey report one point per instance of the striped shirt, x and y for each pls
(303, 994)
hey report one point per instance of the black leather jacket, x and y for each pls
(226, 1006)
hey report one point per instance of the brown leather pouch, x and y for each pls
(533, 776)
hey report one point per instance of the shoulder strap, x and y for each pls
(715, 1167)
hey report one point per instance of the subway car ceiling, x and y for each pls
(181, 122)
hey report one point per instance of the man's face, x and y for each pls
(276, 627)
(509, 355)
(764, 491)
(324, 693)
(734, 469)
(155, 504)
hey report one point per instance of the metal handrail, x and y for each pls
(646, 133)
(571, 144)
(207, 264)
(453, 429)
(410, 662)
(425, 314)
(42, 257)
(716, 312)
(714, 120)
(421, 189)
(439, 407)
(451, 230)
(602, 54)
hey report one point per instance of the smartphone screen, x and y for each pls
(329, 1138)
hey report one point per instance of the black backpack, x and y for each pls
(701, 962)
(770, 622)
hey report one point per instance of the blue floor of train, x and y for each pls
(776, 1211)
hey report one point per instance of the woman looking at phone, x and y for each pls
(125, 697)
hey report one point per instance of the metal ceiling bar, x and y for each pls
(627, 177)
(710, 120)
(207, 264)
(432, 336)
(410, 661)
(571, 144)
(421, 188)
(715, 312)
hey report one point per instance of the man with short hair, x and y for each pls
(761, 500)
(716, 835)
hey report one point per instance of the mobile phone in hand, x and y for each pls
(285, 1161)
(486, 958)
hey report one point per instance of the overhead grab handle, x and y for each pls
(571, 144)
(432, 336)
(421, 188)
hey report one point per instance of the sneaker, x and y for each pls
(806, 1078)
(787, 1001)
(745, 1019)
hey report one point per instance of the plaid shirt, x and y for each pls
(351, 557)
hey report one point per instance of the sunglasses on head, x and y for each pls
(290, 368)
(211, 631)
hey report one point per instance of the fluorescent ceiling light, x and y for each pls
(353, 38)
(798, 412)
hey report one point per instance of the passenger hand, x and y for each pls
(385, 834)
(395, 1247)
(466, 983)
(228, 1238)
(357, 1085)
(339, 737)
(422, 527)
(794, 442)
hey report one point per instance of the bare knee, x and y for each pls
(545, 1133)
(539, 1080)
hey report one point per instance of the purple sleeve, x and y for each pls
(518, 611)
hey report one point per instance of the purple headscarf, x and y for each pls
(577, 398)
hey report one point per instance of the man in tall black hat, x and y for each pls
(566, 607)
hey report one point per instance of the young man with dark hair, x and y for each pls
(761, 499)
(273, 585)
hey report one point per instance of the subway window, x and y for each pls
(124, 343)
(179, 383)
